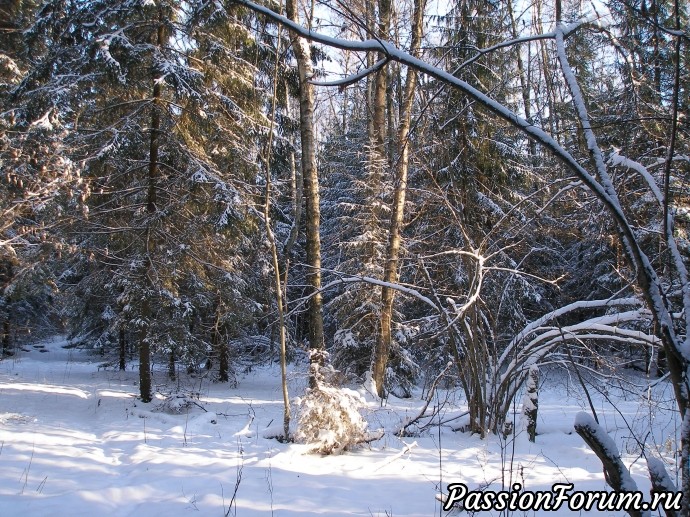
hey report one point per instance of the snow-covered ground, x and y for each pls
(75, 441)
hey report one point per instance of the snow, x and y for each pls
(104, 51)
(75, 440)
(45, 122)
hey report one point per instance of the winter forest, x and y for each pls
(349, 238)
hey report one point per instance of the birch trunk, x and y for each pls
(390, 273)
(311, 190)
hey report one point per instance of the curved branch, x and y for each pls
(647, 278)
(351, 79)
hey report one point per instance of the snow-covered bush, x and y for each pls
(329, 417)
(178, 401)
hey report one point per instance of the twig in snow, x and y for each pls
(41, 485)
(269, 483)
(422, 413)
(28, 468)
(199, 406)
(408, 447)
(238, 480)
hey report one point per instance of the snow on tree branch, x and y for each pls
(647, 277)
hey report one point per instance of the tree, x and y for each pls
(390, 272)
(166, 179)
(36, 173)
(310, 177)
(601, 185)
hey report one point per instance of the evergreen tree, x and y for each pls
(164, 140)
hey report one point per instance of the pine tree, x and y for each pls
(162, 137)
(36, 171)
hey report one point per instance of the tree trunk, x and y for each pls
(661, 481)
(223, 360)
(220, 347)
(6, 341)
(390, 273)
(548, 76)
(530, 406)
(296, 208)
(378, 127)
(154, 146)
(371, 81)
(155, 131)
(615, 472)
(311, 189)
(171, 364)
(523, 74)
(377, 158)
(145, 356)
(123, 349)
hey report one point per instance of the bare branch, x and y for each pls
(351, 79)
(422, 412)
(647, 278)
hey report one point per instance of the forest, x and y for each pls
(410, 197)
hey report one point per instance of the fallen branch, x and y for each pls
(408, 447)
(615, 472)
(661, 481)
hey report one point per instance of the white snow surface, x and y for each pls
(75, 441)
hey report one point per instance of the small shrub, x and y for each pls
(177, 402)
(329, 417)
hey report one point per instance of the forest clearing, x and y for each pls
(76, 441)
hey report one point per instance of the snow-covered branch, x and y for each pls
(604, 191)
(368, 280)
(582, 304)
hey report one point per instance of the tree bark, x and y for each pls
(661, 481)
(171, 364)
(311, 189)
(548, 76)
(532, 402)
(390, 273)
(154, 147)
(145, 356)
(155, 131)
(123, 348)
(379, 100)
(523, 74)
(616, 473)
(219, 346)
(6, 342)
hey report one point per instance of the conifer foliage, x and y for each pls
(179, 186)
